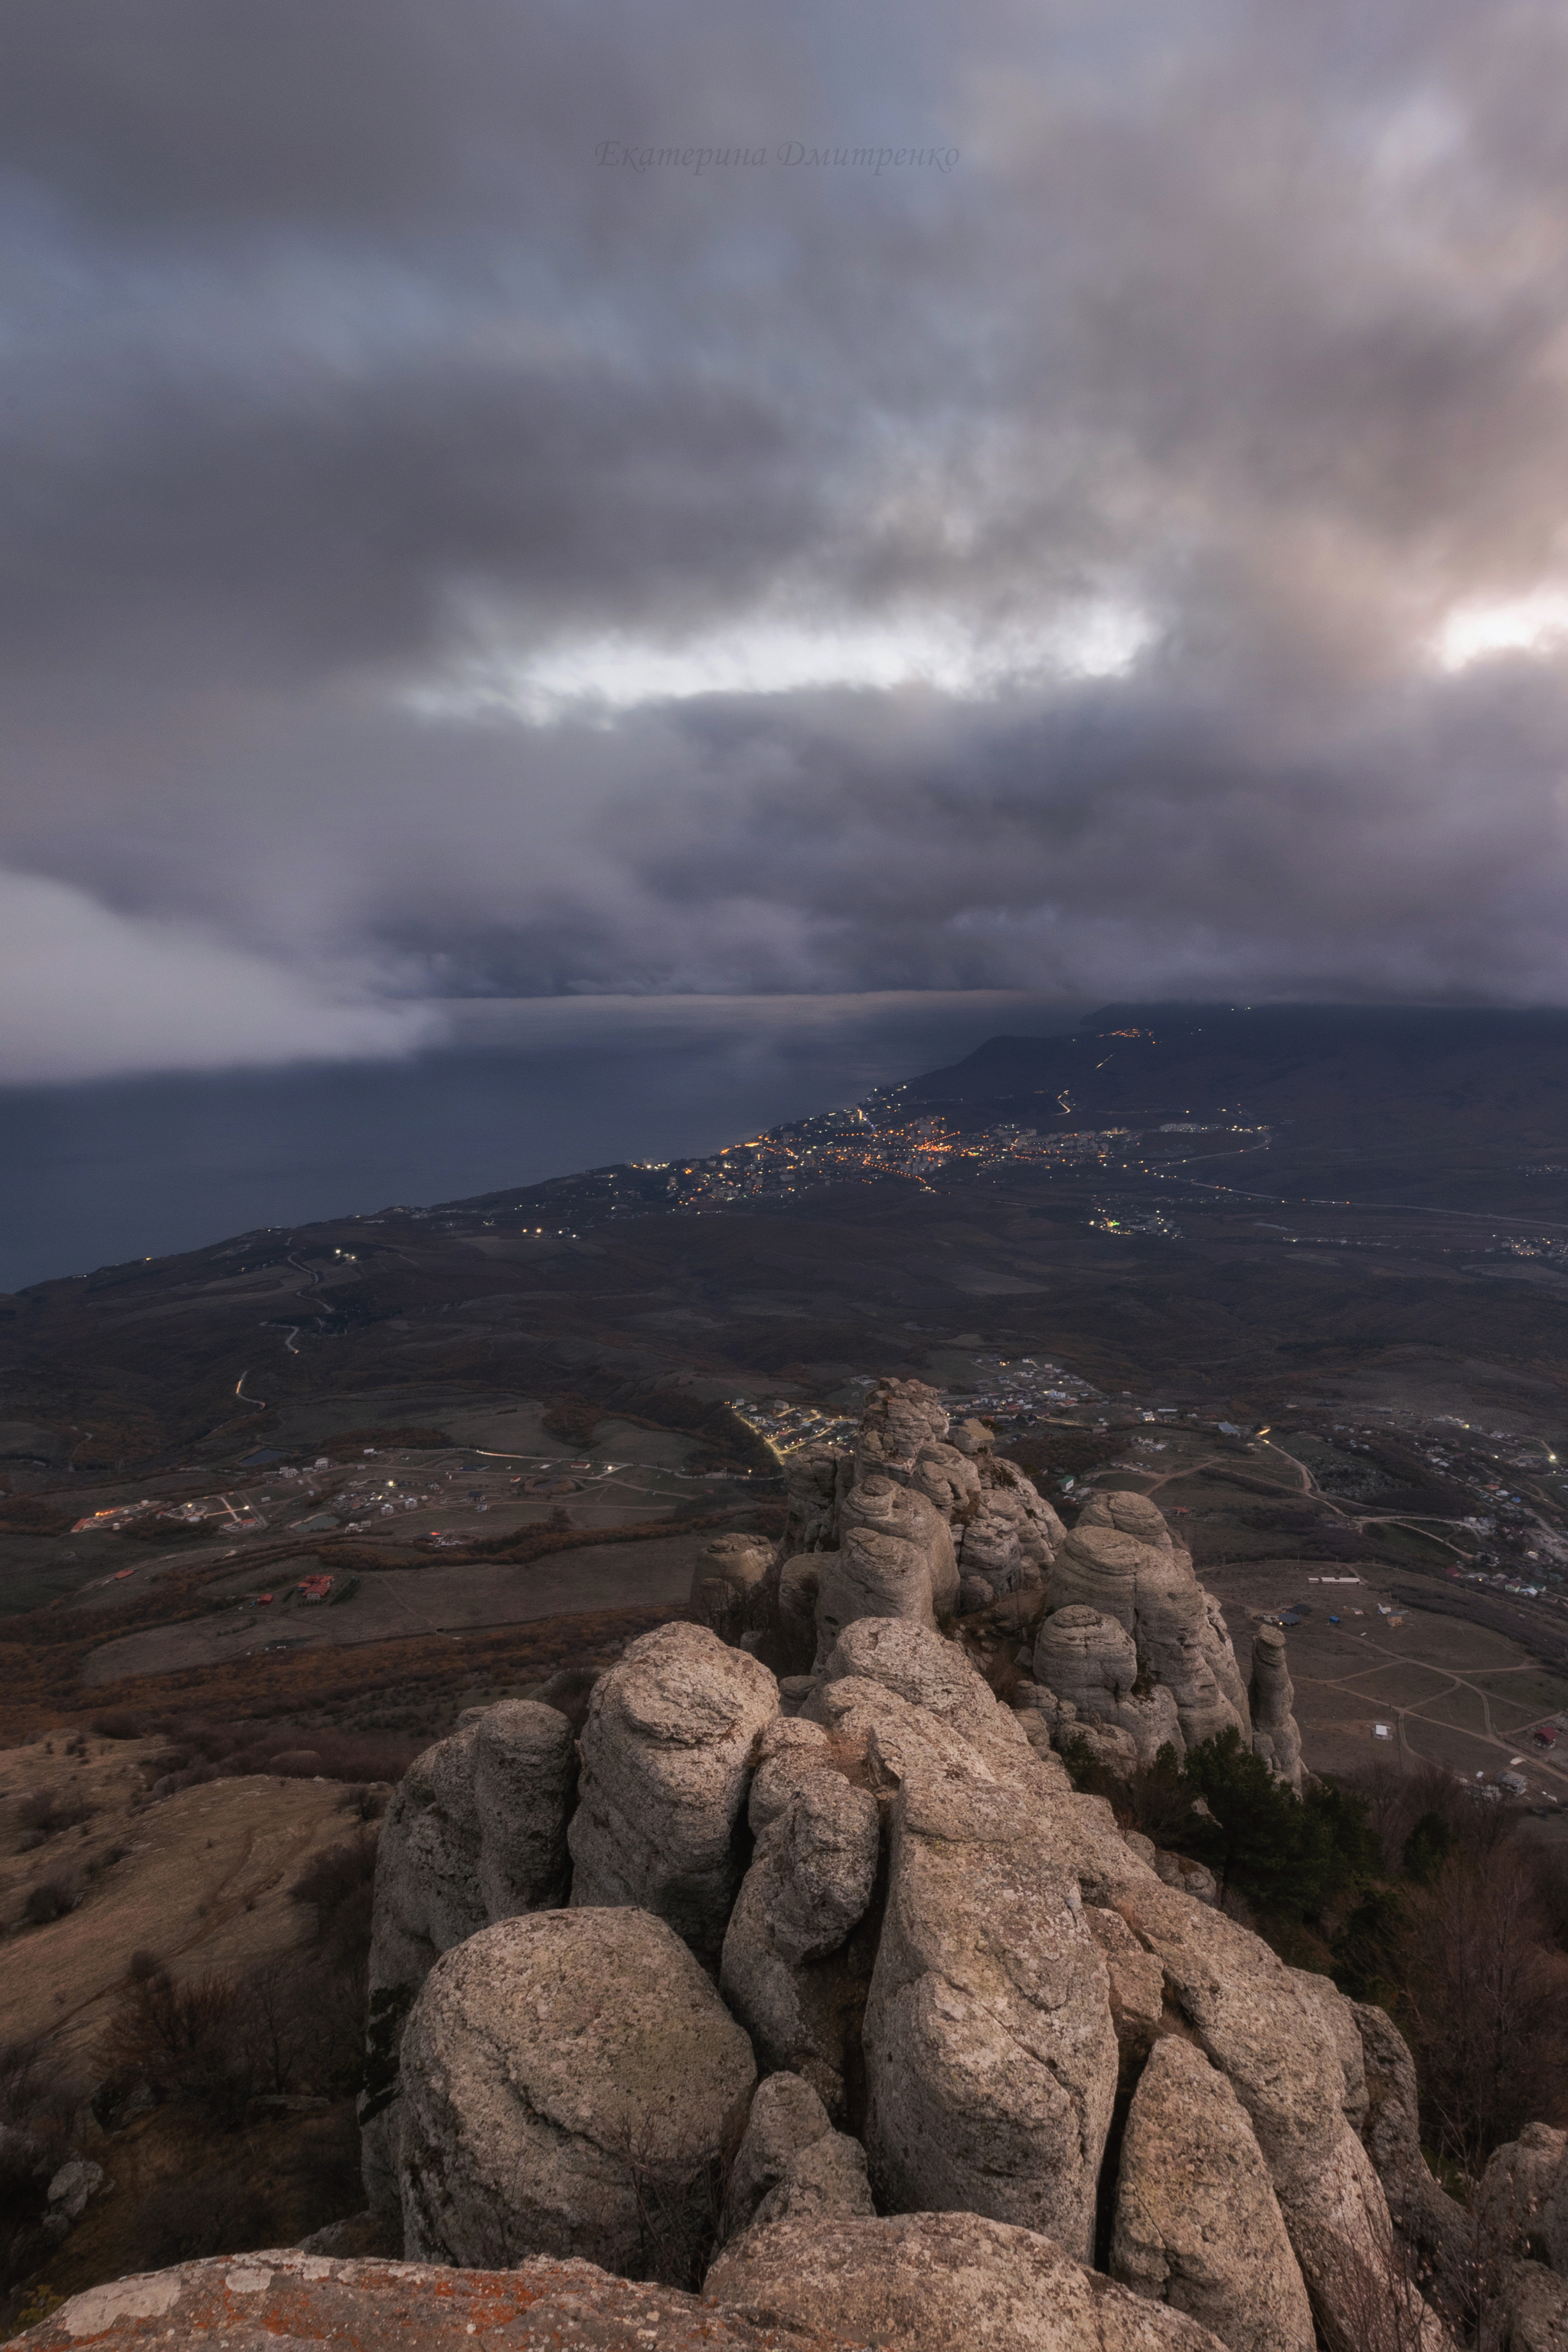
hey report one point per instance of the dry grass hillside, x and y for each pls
(182, 2000)
(198, 1879)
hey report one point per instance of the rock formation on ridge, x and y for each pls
(847, 1982)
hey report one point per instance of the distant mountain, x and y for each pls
(1354, 1069)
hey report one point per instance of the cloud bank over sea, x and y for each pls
(444, 556)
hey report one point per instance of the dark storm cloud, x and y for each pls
(1064, 538)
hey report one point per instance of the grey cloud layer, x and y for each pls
(331, 343)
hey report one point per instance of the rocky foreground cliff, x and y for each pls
(801, 1976)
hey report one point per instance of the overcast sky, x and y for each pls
(1114, 546)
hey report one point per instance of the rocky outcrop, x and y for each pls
(919, 1666)
(1271, 1694)
(904, 1698)
(1197, 2223)
(949, 1480)
(1091, 1661)
(1529, 2311)
(1514, 2206)
(1242, 2007)
(887, 1737)
(991, 2057)
(784, 1971)
(873, 1575)
(667, 1750)
(895, 1559)
(901, 1418)
(1013, 1537)
(283, 2298)
(883, 1506)
(791, 1647)
(792, 2164)
(476, 1831)
(1436, 2231)
(815, 1479)
(927, 1936)
(788, 1752)
(730, 1586)
(558, 2069)
(1137, 1988)
(1120, 1559)
(941, 2282)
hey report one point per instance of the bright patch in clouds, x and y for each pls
(1529, 624)
(610, 673)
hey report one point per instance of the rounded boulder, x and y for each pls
(572, 2084)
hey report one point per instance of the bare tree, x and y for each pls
(1486, 2001)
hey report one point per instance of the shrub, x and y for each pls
(46, 1813)
(50, 1899)
(339, 1880)
(184, 2042)
(119, 1723)
(1288, 1854)
(222, 2212)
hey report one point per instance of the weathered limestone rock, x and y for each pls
(901, 1418)
(1103, 1558)
(1244, 2010)
(1197, 2223)
(949, 2281)
(1084, 1655)
(795, 1613)
(1108, 1745)
(814, 1868)
(1012, 1515)
(1337, 2019)
(920, 1665)
(1531, 2312)
(871, 1575)
(815, 1478)
(991, 2056)
(890, 1736)
(788, 1753)
(1437, 2229)
(1120, 1559)
(796, 1691)
(476, 1831)
(729, 1585)
(792, 2164)
(1270, 1697)
(1137, 1984)
(949, 1479)
(828, 2179)
(667, 1752)
(1556, 2220)
(784, 1972)
(973, 1439)
(881, 1505)
(1517, 2194)
(549, 2063)
(912, 1695)
(974, 1595)
(1187, 1876)
(285, 2297)
(786, 2117)
(1091, 1661)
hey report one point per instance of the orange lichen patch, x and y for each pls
(384, 2307)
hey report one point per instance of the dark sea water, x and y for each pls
(93, 1174)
